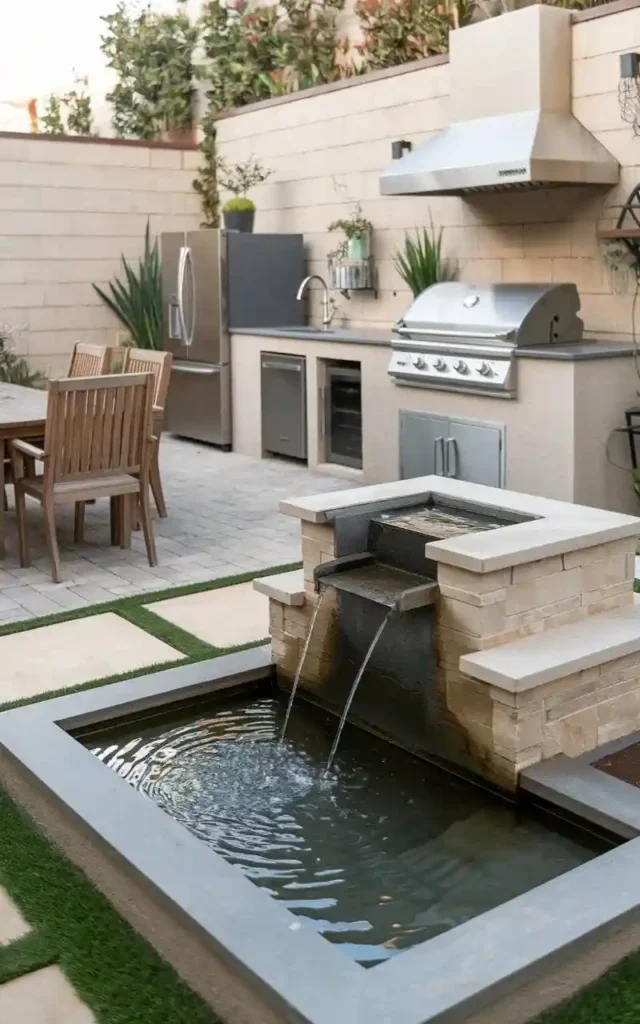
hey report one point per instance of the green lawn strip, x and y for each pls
(37, 949)
(125, 604)
(115, 971)
(613, 999)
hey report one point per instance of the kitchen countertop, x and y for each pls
(575, 352)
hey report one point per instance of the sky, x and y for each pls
(44, 43)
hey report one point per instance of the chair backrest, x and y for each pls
(143, 360)
(88, 360)
(98, 426)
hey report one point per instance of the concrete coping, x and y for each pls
(558, 527)
(535, 660)
(285, 587)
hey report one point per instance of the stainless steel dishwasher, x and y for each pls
(284, 404)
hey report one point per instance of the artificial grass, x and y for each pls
(114, 970)
(613, 999)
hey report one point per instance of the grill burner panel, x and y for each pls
(459, 338)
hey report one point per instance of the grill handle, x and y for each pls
(436, 332)
(452, 464)
(438, 446)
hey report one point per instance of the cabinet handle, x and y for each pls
(438, 446)
(322, 416)
(452, 446)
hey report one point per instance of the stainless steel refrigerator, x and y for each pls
(216, 282)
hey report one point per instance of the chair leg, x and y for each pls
(114, 504)
(52, 540)
(156, 483)
(147, 525)
(78, 526)
(125, 513)
(21, 517)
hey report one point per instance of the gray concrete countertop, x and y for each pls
(576, 352)
(579, 351)
(353, 336)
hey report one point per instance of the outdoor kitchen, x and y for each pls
(517, 370)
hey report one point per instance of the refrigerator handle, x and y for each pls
(189, 261)
(182, 260)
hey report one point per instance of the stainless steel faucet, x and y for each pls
(327, 312)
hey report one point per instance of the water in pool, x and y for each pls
(382, 853)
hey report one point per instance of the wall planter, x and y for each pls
(239, 220)
(359, 247)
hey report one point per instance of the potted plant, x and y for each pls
(137, 299)
(239, 211)
(420, 262)
(357, 231)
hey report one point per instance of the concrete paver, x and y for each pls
(224, 617)
(70, 653)
(223, 520)
(43, 997)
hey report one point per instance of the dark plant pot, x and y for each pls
(238, 220)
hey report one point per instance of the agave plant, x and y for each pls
(137, 301)
(420, 262)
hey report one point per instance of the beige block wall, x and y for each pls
(327, 150)
(68, 210)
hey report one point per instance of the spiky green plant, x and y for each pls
(420, 262)
(137, 301)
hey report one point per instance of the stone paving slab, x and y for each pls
(70, 653)
(224, 617)
(223, 520)
(12, 924)
(42, 997)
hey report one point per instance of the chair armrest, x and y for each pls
(29, 449)
(158, 410)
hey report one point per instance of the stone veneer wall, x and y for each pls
(69, 208)
(326, 151)
(508, 732)
(503, 732)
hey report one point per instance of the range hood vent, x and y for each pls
(511, 122)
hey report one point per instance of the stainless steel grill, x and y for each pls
(460, 338)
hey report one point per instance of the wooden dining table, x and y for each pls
(23, 414)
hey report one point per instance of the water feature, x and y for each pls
(381, 853)
(303, 658)
(349, 701)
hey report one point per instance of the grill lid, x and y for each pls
(513, 314)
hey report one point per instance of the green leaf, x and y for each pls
(137, 299)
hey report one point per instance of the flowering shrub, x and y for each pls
(265, 51)
(398, 31)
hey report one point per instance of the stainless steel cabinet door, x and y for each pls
(473, 452)
(284, 404)
(422, 443)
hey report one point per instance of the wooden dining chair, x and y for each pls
(140, 360)
(86, 361)
(98, 444)
(89, 360)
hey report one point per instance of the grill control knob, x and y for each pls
(461, 367)
(440, 365)
(485, 370)
(420, 363)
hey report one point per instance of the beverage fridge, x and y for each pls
(215, 282)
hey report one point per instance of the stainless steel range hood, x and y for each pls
(510, 109)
